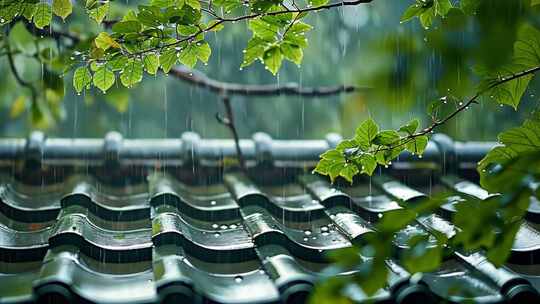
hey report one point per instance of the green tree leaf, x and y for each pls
(132, 73)
(368, 163)
(81, 79)
(104, 41)
(273, 59)
(100, 12)
(292, 52)
(411, 12)
(386, 138)
(410, 127)
(151, 64)
(129, 26)
(104, 78)
(418, 144)
(168, 59)
(365, 133)
(42, 15)
(62, 8)
(264, 30)
(254, 50)
(526, 55)
(517, 141)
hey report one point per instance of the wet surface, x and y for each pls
(235, 239)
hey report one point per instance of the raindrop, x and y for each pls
(217, 234)
(232, 226)
(324, 229)
(215, 226)
(307, 232)
(238, 279)
(223, 227)
(213, 203)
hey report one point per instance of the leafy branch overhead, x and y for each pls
(164, 33)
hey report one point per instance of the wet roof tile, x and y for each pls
(151, 227)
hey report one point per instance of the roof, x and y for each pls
(170, 221)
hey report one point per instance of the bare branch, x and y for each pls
(226, 88)
(228, 121)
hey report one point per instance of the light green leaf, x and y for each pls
(62, 8)
(254, 50)
(81, 79)
(168, 59)
(427, 17)
(104, 78)
(410, 127)
(194, 4)
(263, 30)
(365, 133)
(104, 41)
(132, 73)
(273, 58)
(127, 27)
(411, 12)
(316, 3)
(348, 172)
(42, 15)
(99, 13)
(151, 64)
(334, 155)
(296, 34)
(526, 55)
(516, 142)
(368, 163)
(292, 52)
(418, 144)
(442, 7)
(386, 137)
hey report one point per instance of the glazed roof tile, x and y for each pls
(166, 221)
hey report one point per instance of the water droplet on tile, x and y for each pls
(215, 226)
(223, 227)
(238, 279)
(232, 226)
(307, 232)
(217, 234)
(213, 203)
(324, 229)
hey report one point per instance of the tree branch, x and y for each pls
(201, 80)
(15, 73)
(220, 21)
(461, 108)
(226, 88)
(228, 121)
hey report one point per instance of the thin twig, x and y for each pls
(228, 121)
(405, 140)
